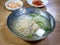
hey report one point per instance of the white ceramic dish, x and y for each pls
(44, 2)
(13, 9)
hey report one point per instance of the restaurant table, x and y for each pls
(8, 38)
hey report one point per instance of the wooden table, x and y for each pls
(8, 38)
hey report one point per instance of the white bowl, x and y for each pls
(13, 9)
(30, 3)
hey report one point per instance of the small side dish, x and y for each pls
(13, 5)
(37, 3)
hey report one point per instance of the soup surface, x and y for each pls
(31, 26)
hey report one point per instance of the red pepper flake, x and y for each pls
(37, 2)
